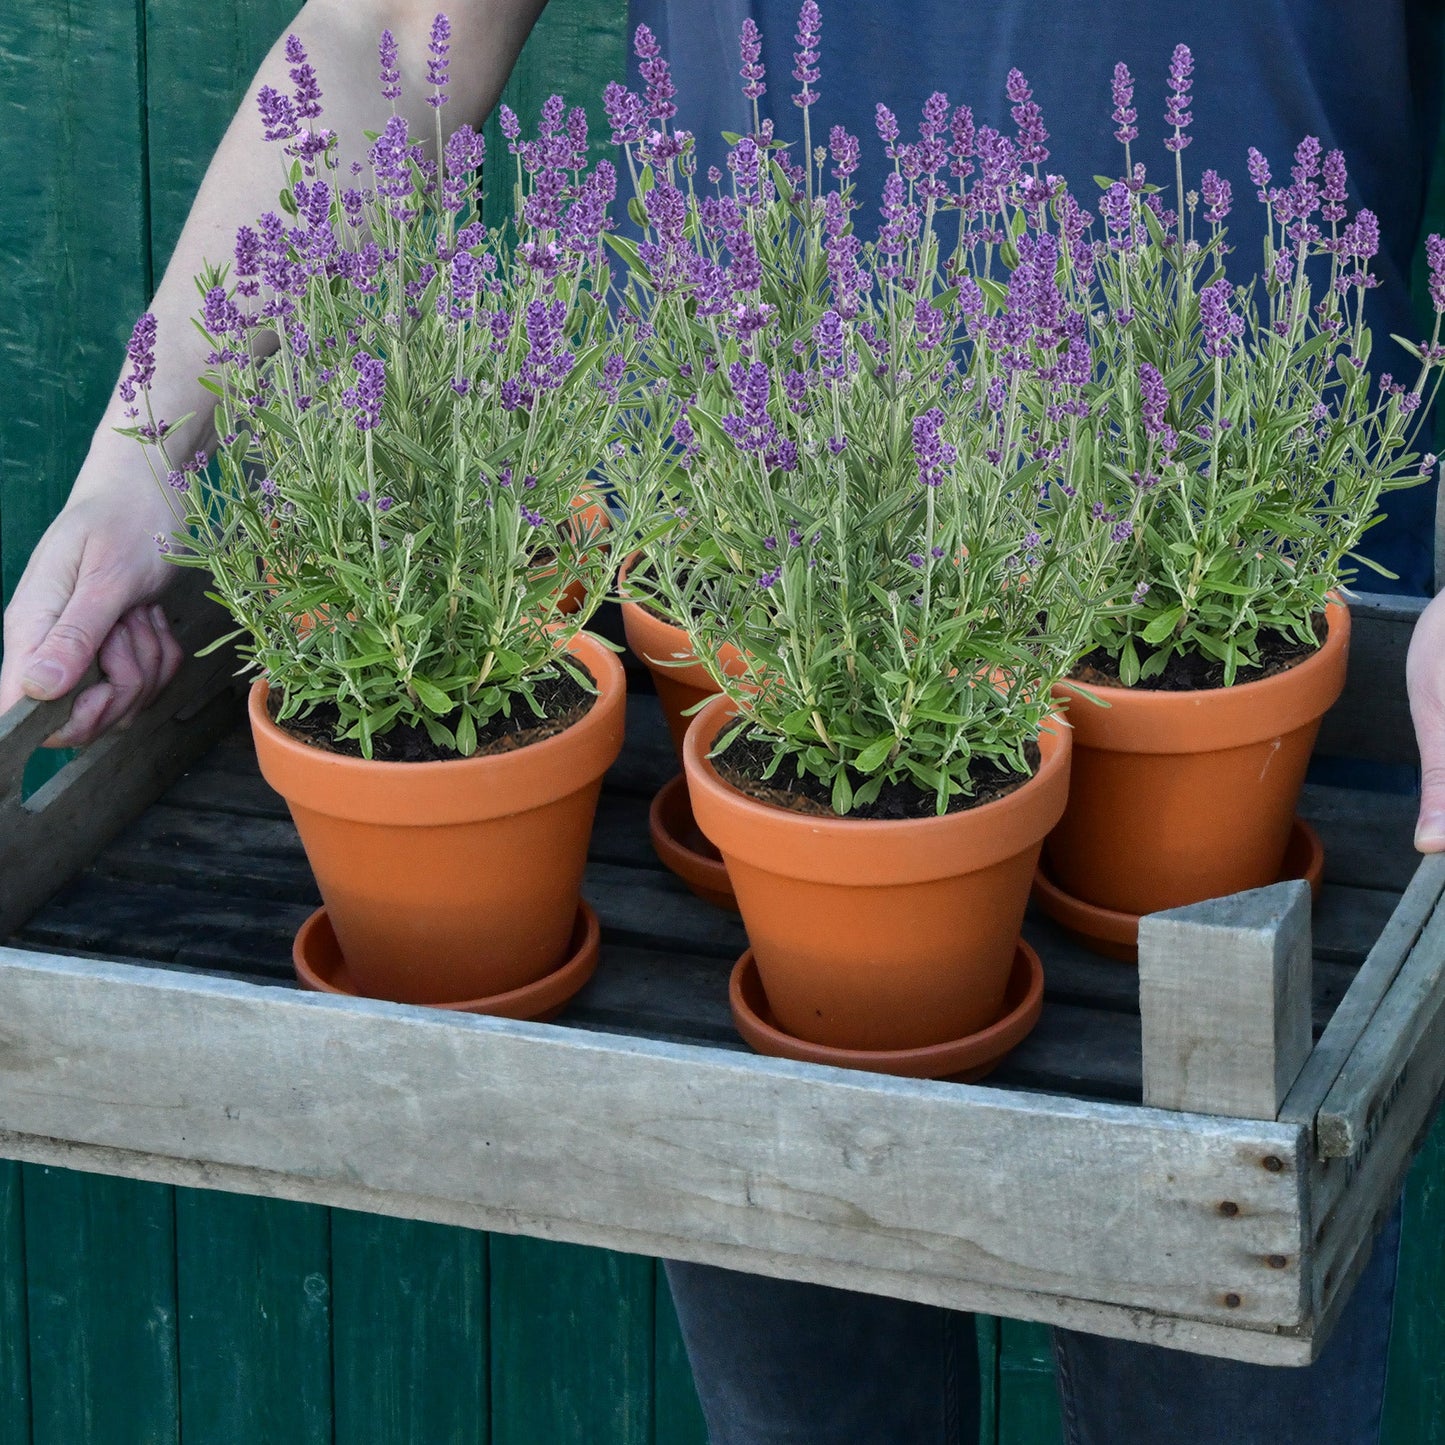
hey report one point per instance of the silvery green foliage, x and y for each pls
(401, 495)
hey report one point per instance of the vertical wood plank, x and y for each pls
(677, 1416)
(101, 1290)
(1028, 1400)
(409, 1332)
(254, 1290)
(73, 243)
(1415, 1391)
(199, 61)
(1224, 1002)
(14, 1333)
(575, 49)
(572, 1335)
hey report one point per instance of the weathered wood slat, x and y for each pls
(1390, 1044)
(691, 1149)
(52, 835)
(1372, 718)
(1224, 995)
(1368, 837)
(1373, 981)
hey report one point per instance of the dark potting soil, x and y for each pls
(562, 698)
(1193, 672)
(746, 760)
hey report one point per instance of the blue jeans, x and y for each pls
(781, 1363)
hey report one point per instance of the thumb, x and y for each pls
(62, 656)
(1425, 673)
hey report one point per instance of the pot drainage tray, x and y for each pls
(681, 847)
(321, 968)
(963, 1060)
(1116, 935)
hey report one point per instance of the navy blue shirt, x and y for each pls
(1363, 77)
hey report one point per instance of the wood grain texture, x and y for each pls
(667, 1147)
(254, 1299)
(1372, 718)
(677, 1415)
(14, 1322)
(571, 1344)
(1224, 1000)
(410, 1332)
(100, 1262)
(1396, 939)
(199, 61)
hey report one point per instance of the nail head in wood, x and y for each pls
(1224, 1002)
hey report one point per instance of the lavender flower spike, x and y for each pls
(933, 455)
(1029, 119)
(436, 70)
(1435, 259)
(386, 51)
(1217, 196)
(141, 349)
(308, 92)
(1221, 327)
(805, 68)
(750, 43)
(1176, 111)
(1124, 113)
(366, 396)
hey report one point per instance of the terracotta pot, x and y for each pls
(659, 643)
(1181, 796)
(879, 935)
(457, 879)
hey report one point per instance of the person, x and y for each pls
(777, 1361)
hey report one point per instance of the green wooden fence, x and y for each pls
(137, 1314)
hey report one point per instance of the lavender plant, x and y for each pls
(873, 486)
(1246, 416)
(410, 408)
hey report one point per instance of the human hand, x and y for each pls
(1425, 676)
(89, 592)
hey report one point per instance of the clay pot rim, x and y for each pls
(1215, 718)
(541, 999)
(665, 646)
(881, 852)
(447, 790)
(980, 1051)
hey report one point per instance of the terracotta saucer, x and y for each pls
(962, 1060)
(321, 968)
(1116, 935)
(680, 845)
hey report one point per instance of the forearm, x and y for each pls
(247, 173)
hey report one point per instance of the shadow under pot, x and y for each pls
(458, 879)
(1178, 797)
(880, 935)
(682, 683)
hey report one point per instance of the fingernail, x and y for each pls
(44, 680)
(158, 615)
(1430, 832)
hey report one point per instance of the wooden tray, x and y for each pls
(1196, 1153)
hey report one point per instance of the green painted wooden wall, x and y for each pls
(136, 1314)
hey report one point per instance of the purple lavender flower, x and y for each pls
(750, 43)
(1336, 187)
(1124, 113)
(1176, 110)
(999, 160)
(660, 89)
(303, 77)
(887, 124)
(1116, 207)
(1362, 236)
(1218, 196)
(370, 389)
(141, 350)
(753, 430)
(1028, 118)
(845, 151)
(436, 69)
(1259, 174)
(625, 113)
(805, 58)
(530, 516)
(929, 322)
(932, 454)
(1153, 398)
(1220, 325)
(391, 160)
(768, 579)
(465, 151)
(386, 51)
(1435, 259)
(278, 113)
(547, 364)
(744, 161)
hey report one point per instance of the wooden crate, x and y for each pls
(1196, 1154)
